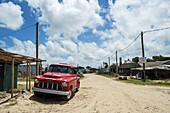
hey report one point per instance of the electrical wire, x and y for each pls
(129, 44)
(156, 30)
(18, 30)
(138, 37)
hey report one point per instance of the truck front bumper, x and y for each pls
(50, 91)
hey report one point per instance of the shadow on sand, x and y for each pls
(48, 99)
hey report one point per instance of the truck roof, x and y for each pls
(64, 65)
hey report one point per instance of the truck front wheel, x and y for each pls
(69, 96)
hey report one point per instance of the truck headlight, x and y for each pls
(64, 84)
(36, 81)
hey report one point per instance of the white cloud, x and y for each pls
(62, 52)
(91, 54)
(2, 44)
(72, 17)
(67, 18)
(10, 16)
(132, 17)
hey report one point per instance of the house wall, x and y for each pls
(23, 69)
(154, 74)
(8, 76)
(2, 75)
(125, 71)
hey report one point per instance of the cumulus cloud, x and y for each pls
(62, 52)
(129, 18)
(70, 18)
(10, 16)
(67, 19)
(2, 44)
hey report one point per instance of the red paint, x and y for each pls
(71, 79)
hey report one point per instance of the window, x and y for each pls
(60, 69)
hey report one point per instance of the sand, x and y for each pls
(97, 94)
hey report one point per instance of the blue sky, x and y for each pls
(84, 32)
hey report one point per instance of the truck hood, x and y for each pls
(56, 75)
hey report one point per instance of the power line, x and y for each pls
(156, 30)
(18, 30)
(113, 54)
(138, 37)
(129, 44)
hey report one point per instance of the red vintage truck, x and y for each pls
(61, 79)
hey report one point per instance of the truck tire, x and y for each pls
(68, 97)
(77, 89)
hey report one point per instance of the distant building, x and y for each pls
(125, 68)
(23, 69)
(154, 70)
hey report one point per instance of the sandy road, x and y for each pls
(101, 95)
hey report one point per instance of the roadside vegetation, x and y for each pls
(147, 82)
(140, 82)
(22, 78)
(81, 76)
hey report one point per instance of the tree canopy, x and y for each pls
(154, 59)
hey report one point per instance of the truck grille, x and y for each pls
(50, 86)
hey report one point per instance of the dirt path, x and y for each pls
(101, 95)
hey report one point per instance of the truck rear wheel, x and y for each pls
(77, 89)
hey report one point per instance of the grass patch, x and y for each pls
(81, 76)
(147, 82)
(23, 78)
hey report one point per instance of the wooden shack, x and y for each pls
(125, 68)
(154, 70)
(9, 69)
(5, 75)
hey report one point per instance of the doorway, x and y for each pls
(2, 77)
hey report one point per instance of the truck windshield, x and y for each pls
(60, 69)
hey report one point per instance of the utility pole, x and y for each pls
(116, 65)
(143, 55)
(77, 68)
(37, 43)
(109, 64)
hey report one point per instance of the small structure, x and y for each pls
(154, 70)
(23, 69)
(125, 68)
(9, 69)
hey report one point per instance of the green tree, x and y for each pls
(88, 67)
(105, 65)
(149, 60)
(136, 59)
(113, 68)
(155, 58)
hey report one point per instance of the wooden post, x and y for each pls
(12, 78)
(116, 65)
(109, 64)
(40, 68)
(29, 76)
(143, 55)
(37, 70)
